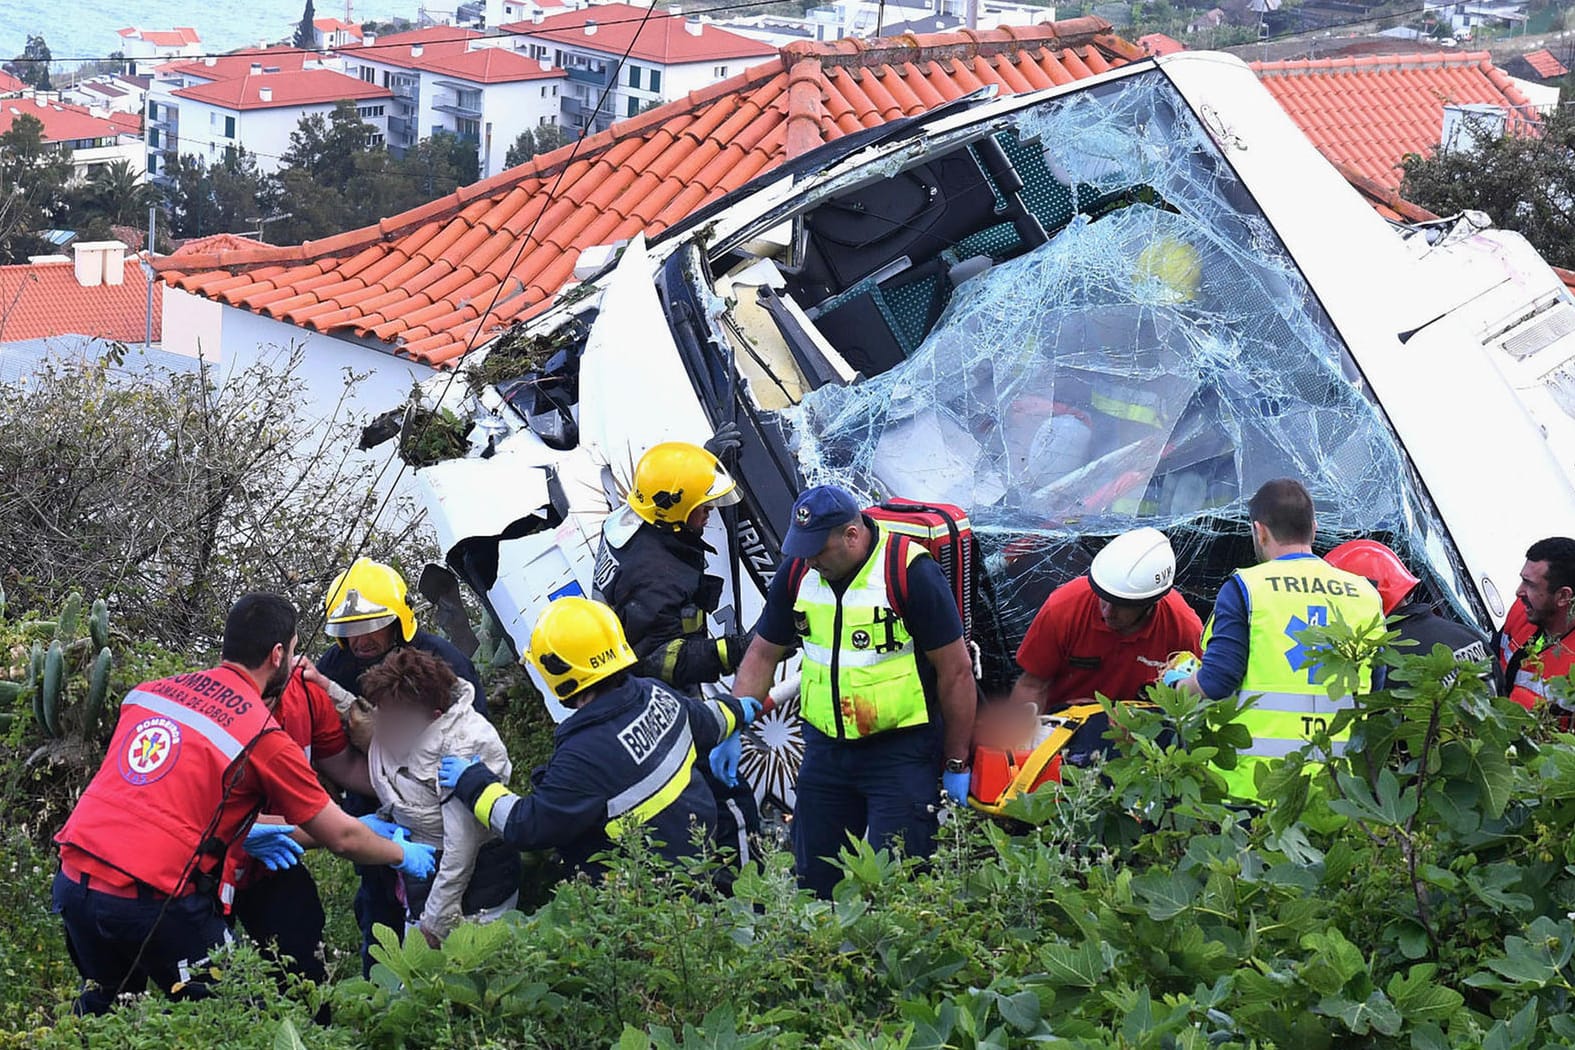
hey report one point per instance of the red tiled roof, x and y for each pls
(237, 63)
(302, 87)
(126, 123)
(1369, 113)
(1158, 44)
(662, 37)
(337, 25)
(63, 122)
(1544, 64)
(422, 280)
(395, 48)
(489, 65)
(217, 242)
(44, 299)
(177, 37)
(10, 83)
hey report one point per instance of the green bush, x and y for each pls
(1415, 893)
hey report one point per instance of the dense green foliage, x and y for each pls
(1523, 181)
(1414, 894)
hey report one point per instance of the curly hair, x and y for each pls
(410, 677)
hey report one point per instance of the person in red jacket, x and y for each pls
(1109, 632)
(1534, 645)
(149, 855)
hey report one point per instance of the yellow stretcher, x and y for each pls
(1000, 774)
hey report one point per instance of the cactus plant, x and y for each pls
(57, 659)
(98, 689)
(98, 624)
(70, 613)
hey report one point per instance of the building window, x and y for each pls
(634, 76)
(468, 129)
(229, 127)
(634, 106)
(719, 71)
(369, 112)
(369, 74)
(656, 80)
(374, 140)
(153, 138)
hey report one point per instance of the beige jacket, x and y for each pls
(407, 788)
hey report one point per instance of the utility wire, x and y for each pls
(480, 323)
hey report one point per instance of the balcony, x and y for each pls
(401, 129)
(595, 77)
(458, 109)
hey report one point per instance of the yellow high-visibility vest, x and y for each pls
(860, 669)
(1284, 597)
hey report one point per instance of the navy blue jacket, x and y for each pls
(630, 753)
(339, 666)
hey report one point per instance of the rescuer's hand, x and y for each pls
(956, 786)
(271, 846)
(452, 768)
(752, 708)
(385, 828)
(726, 439)
(419, 861)
(724, 760)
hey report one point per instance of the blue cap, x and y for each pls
(816, 513)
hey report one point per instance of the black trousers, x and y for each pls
(283, 912)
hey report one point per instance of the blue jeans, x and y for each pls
(106, 935)
(885, 789)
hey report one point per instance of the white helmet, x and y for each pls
(1135, 568)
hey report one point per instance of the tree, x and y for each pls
(33, 178)
(1524, 181)
(175, 493)
(533, 143)
(228, 197)
(445, 158)
(31, 67)
(306, 33)
(325, 148)
(113, 195)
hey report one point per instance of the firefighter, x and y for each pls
(1418, 624)
(369, 616)
(1109, 632)
(1534, 646)
(888, 695)
(149, 853)
(654, 577)
(1250, 646)
(627, 756)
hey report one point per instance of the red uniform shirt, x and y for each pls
(1069, 645)
(160, 774)
(1540, 659)
(308, 715)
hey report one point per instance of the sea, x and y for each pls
(78, 30)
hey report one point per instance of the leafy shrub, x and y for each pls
(1414, 893)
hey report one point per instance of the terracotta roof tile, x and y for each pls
(1545, 65)
(1368, 113)
(651, 35)
(43, 299)
(63, 121)
(422, 281)
(287, 88)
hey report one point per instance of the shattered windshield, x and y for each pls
(1151, 362)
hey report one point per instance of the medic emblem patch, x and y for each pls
(151, 751)
(861, 639)
(801, 516)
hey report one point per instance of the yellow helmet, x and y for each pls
(674, 478)
(1175, 265)
(367, 597)
(576, 643)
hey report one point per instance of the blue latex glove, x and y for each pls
(385, 828)
(752, 708)
(419, 861)
(452, 768)
(956, 785)
(272, 847)
(724, 760)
